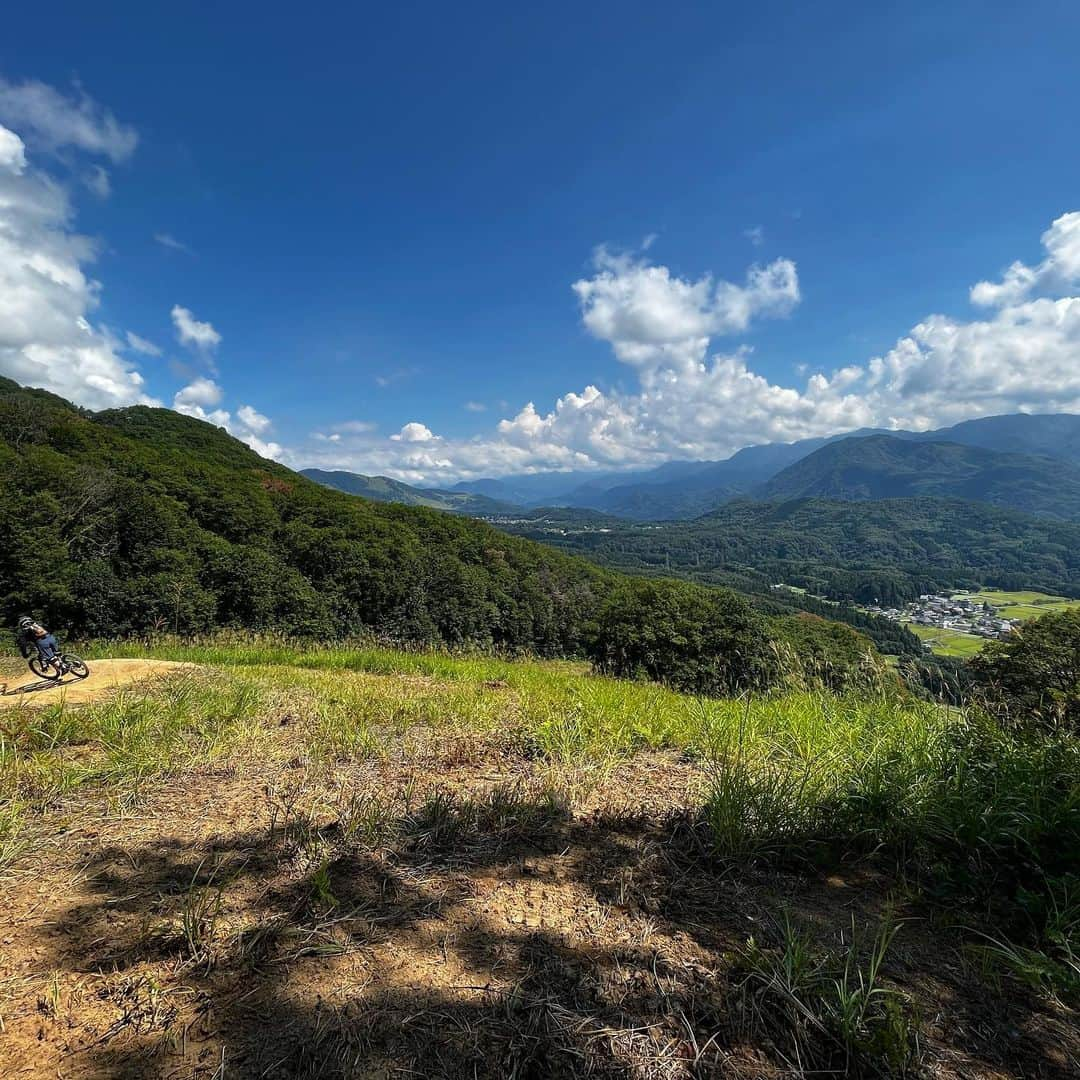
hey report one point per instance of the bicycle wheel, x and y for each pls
(44, 669)
(75, 665)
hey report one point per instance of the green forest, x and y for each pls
(141, 520)
(889, 551)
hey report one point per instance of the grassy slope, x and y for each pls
(410, 857)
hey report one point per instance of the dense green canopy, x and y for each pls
(140, 519)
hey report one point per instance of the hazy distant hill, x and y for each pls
(383, 489)
(682, 490)
(1055, 435)
(698, 487)
(888, 467)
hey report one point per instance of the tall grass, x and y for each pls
(123, 741)
(964, 811)
(969, 813)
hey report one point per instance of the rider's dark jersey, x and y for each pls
(27, 639)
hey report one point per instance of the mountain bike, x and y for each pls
(58, 665)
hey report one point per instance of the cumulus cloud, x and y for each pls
(254, 421)
(413, 433)
(46, 296)
(1059, 270)
(201, 399)
(12, 152)
(201, 392)
(1022, 356)
(54, 120)
(193, 333)
(652, 317)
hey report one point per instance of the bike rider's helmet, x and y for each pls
(25, 622)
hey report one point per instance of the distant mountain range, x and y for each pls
(1021, 461)
(886, 467)
(383, 489)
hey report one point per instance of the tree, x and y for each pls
(695, 640)
(1033, 676)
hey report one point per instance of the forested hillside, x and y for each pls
(891, 550)
(140, 518)
(884, 467)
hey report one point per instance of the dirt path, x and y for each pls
(105, 675)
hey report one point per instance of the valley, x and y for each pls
(553, 793)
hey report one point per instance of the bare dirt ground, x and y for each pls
(271, 919)
(25, 688)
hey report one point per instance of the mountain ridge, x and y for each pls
(387, 490)
(886, 467)
(683, 490)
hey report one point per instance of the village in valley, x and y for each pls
(960, 614)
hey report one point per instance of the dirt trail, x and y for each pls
(105, 675)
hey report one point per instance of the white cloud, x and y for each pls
(199, 393)
(97, 181)
(141, 345)
(1024, 356)
(475, 406)
(169, 241)
(201, 398)
(46, 297)
(12, 152)
(651, 317)
(755, 234)
(413, 433)
(54, 120)
(1059, 270)
(254, 421)
(191, 332)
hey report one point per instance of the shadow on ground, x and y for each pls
(518, 944)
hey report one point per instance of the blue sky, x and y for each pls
(379, 234)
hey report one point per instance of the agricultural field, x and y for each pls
(948, 642)
(1022, 605)
(268, 861)
(1010, 605)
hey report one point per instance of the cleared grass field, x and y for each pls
(1023, 605)
(948, 642)
(341, 862)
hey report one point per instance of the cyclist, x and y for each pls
(33, 635)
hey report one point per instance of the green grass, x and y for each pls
(948, 642)
(1023, 605)
(988, 820)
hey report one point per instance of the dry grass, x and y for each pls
(286, 870)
